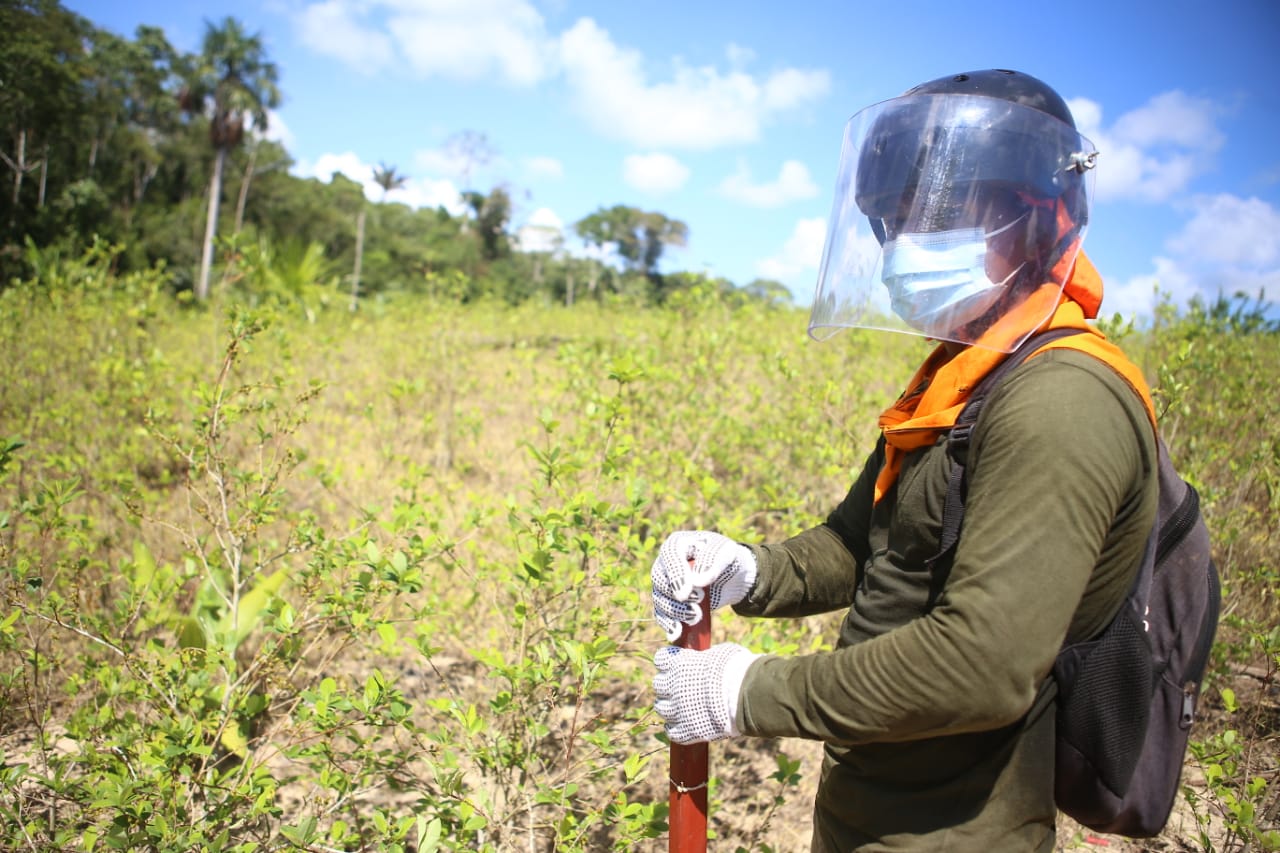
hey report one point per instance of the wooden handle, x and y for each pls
(688, 818)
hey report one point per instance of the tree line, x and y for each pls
(164, 153)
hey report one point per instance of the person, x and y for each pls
(959, 214)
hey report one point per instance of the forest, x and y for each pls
(135, 143)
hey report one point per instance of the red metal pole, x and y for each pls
(688, 819)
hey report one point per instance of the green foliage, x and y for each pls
(1214, 366)
(291, 276)
(364, 579)
(279, 576)
(638, 237)
(1239, 792)
(133, 142)
(490, 215)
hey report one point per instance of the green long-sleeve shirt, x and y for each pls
(933, 705)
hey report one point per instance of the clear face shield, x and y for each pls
(956, 217)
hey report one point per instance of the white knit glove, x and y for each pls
(722, 567)
(696, 693)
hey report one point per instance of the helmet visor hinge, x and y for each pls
(1082, 161)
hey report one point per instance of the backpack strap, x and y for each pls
(962, 431)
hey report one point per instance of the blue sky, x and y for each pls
(728, 116)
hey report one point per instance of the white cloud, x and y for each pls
(799, 257)
(331, 28)
(472, 40)
(545, 217)
(1229, 245)
(1088, 116)
(276, 131)
(697, 108)
(1171, 118)
(543, 167)
(439, 161)
(1139, 296)
(1152, 153)
(431, 193)
(417, 192)
(347, 163)
(543, 231)
(792, 87)
(1229, 231)
(792, 184)
(506, 39)
(654, 173)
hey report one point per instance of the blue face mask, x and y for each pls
(938, 280)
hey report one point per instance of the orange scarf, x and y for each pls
(938, 391)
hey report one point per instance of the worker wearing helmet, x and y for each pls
(959, 213)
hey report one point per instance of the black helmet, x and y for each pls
(995, 139)
(1003, 84)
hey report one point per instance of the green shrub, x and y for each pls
(305, 578)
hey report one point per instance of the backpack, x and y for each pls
(1126, 698)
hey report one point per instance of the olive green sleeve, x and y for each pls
(1058, 461)
(817, 570)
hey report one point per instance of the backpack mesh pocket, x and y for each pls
(1104, 699)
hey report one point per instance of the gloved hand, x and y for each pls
(722, 567)
(696, 693)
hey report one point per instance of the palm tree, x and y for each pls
(385, 177)
(232, 81)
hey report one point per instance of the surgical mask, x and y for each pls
(938, 280)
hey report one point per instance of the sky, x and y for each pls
(729, 116)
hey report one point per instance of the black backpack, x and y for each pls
(1126, 698)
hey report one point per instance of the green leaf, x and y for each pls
(303, 833)
(253, 606)
(387, 633)
(191, 634)
(634, 767)
(235, 741)
(429, 834)
(374, 689)
(144, 566)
